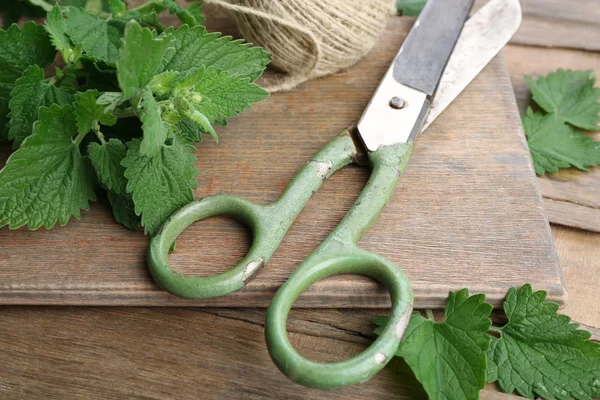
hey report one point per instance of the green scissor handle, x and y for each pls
(350, 260)
(338, 254)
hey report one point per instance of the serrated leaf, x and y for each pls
(88, 112)
(99, 39)
(46, 180)
(541, 353)
(222, 95)
(133, 70)
(155, 129)
(161, 184)
(570, 96)
(554, 145)
(449, 358)
(20, 48)
(106, 159)
(194, 47)
(56, 25)
(124, 210)
(29, 94)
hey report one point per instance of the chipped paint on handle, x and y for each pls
(338, 254)
(268, 223)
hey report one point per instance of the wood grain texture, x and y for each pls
(219, 353)
(557, 23)
(571, 197)
(579, 254)
(140, 353)
(158, 353)
(466, 213)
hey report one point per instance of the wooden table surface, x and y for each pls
(161, 353)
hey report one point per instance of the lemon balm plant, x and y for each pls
(120, 114)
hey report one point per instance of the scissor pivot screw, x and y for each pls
(397, 103)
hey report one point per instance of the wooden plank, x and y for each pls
(564, 212)
(571, 197)
(467, 213)
(556, 23)
(579, 254)
(135, 353)
(159, 353)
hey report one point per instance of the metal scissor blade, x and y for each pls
(427, 48)
(401, 102)
(482, 37)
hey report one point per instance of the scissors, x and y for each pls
(435, 63)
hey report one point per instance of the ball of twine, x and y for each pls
(309, 38)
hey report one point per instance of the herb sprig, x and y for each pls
(537, 353)
(571, 102)
(121, 112)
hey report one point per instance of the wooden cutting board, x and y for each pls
(467, 213)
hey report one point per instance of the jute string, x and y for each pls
(309, 38)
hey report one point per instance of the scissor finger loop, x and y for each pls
(268, 223)
(246, 212)
(363, 366)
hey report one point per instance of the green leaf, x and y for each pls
(221, 95)
(191, 16)
(117, 7)
(91, 6)
(155, 129)
(541, 353)
(106, 159)
(124, 210)
(149, 15)
(189, 129)
(554, 145)
(135, 70)
(42, 4)
(449, 358)
(110, 100)
(161, 184)
(20, 48)
(492, 368)
(30, 93)
(56, 25)
(195, 9)
(570, 96)
(202, 122)
(89, 113)
(46, 180)
(163, 83)
(194, 47)
(4, 109)
(410, 7)
(99, 39)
